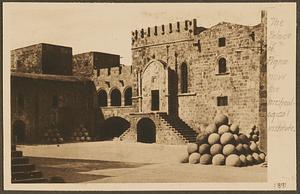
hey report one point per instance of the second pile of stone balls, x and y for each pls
(223, 144)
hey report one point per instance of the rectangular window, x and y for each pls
(222, 100)
(108, 71)
(222, 42)
(120, 70)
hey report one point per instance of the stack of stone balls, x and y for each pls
(223, 144)
(80, 134)
(254, 134)
(53, 135)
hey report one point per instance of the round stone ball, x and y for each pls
(239, 148)
(184, 158)
(246, 148)
(243, 138)
(204, 149)
(213, 138)
(192, 147)
(82, 139)
(205, 159)
(218, 159)
(243, 160)
(233, 160)
(211, 128)
(255, 138)
(60, 140)
(201, 138)
(236, 138)
(216, 149)
(234, 128)
(88, 138)
(250, 159)
(223, 129)
(256, 158)
(226, 138)
(262, 157)
(194, 158)
(228, 149)
(220, 119)
(253, 146)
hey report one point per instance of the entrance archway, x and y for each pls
(18, 131)
(113, 127)
(146, 131)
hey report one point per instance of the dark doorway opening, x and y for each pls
(18, 132)
(146, 131)
(113, 127)
(154, 100)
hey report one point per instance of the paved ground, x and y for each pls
(120, 162)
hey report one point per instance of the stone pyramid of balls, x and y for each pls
(223, 144)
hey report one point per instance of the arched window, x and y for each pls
(102, 98)
(115, 97)
(184, 78)
(128, 96)
(222, 66)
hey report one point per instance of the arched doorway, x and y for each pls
(18, 132)
(146, 131)
(113, 127)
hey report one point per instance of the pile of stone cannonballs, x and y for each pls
(223, 144)
(53, 135)
(80, 134)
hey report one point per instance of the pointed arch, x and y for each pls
(128, 96)
(115, 97)
(102, 98)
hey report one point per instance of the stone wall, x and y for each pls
(42, 58)
(164, 135)
(76, 104)
(200, 51)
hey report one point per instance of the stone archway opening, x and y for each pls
(113, 127)
(19, 132)
(146, 131)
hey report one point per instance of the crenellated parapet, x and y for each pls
(165, 33)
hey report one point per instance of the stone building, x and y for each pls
(190, 73)
(44, 93)
(181, 75)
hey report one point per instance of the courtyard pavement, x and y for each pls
(122, 162)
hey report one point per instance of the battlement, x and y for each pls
(165, 32)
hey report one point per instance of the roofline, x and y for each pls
(40, 44)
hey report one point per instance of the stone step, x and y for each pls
(26, 175)
(22, 167)
(31, 180)
(20, 160)
(16, 154)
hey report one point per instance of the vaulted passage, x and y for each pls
(19, 132)
(113, 127)
(146, 131)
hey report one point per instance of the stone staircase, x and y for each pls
(176, 124)
(22, 171)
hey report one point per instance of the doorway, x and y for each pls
(146, 131)
(154, 100)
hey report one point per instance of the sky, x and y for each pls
(106, 27)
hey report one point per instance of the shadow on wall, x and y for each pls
(173, 91)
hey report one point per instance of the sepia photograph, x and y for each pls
(144, 93)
